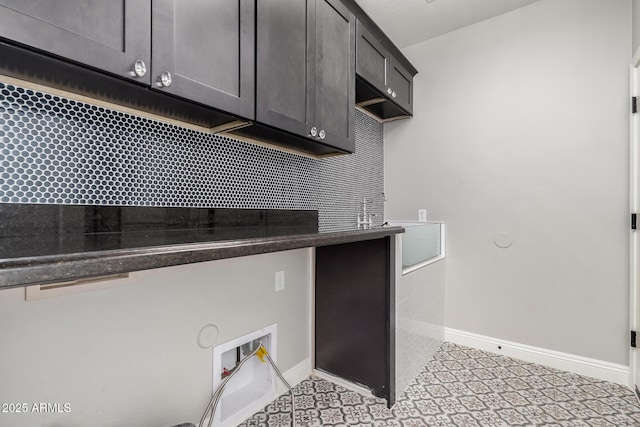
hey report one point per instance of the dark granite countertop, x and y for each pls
(24, 269)
(42, 243)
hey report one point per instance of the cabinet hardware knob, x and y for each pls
(389, 91)
(140, 68)
(166, 79)
(313, 132)
(393, 94)
(322, 134)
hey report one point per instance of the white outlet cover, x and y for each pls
(422, 215)
(280, 280)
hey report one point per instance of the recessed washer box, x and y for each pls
(254, 385)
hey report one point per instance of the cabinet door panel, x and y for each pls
(107, 35)
(372, 59)
(401, 81)
(285, 96)
(335, 73)
(208, 47)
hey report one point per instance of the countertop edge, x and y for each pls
(65, 267)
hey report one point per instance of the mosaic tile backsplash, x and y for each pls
(56, 150)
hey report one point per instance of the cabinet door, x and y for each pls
(285, 62)
(205, 50)
(108, 35)
(372, 59)
(335, 74)
(401, 83)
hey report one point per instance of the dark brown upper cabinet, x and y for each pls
(114, 36)
(287, 67)
(372, 59)
(385, 85)
(204, 51)
(400, 85)
(305, 71)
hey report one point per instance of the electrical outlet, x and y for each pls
(279, 280)
(422, 215)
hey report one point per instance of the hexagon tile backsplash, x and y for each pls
(57, 150)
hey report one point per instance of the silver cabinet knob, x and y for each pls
(393, 95)
(165, 79)
(322, 134)
(140, 68)
(389, 91)
(313, 132)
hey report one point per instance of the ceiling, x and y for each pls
(409, 22)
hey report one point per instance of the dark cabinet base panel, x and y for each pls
(355, 314)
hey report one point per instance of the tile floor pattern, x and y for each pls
(464, 387)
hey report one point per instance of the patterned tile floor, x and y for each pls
(464, 387)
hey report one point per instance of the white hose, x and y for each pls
(217, 395)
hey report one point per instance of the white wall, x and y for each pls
(636, 24)
(521, 126)
(129, 355)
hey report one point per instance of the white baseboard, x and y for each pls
(594, 368)
(293, 376)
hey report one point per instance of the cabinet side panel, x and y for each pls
(352, 309)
